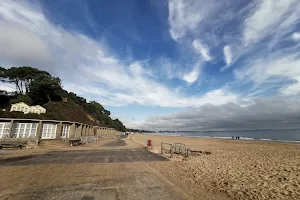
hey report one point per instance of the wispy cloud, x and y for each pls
(200, 48)
(278, 69)
(93, 71)
(179, 20)
(258, 40)
(23, 45)
(185, 16)
(227, 54)
(296, 36)
(8, 87)
(193, 75)
(291, 89)
(169, 68)
(269, 16)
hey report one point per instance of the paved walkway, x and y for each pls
(117, 171)
(87, 156)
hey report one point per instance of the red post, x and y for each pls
(149, 144)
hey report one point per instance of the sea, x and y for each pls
(290, 135)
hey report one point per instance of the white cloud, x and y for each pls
(192, 76)
(179, 18)
(185, 16)
(9, 87)
(92, 71)
(147, 93)
(169, 68)
(265, 26)
(296, 36)
(274, 70)
(227, 54)
(201, 49)
(217, 97)
(269, 16)
(29, 38)
(22, 45)
(261, 70)
(136, 69)
(292, 89)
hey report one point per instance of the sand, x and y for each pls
(233, 170)
(239, 169)
(108, 169)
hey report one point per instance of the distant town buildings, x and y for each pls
(23, 107)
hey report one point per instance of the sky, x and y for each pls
(166, 64)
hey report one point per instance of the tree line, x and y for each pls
(37, 87)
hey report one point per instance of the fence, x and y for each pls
(167, 148)
(180, 148)
(85, 140)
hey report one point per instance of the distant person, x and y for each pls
(238, 137)
(232, 137)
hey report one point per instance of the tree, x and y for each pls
(118, 125)
(21, 98)
(96, 110)
(14, 76)
(2, 74)
(29, 74)
(76, 99)
(22, 77)
(46, 89)
(34, 86)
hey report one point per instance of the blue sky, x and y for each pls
(151, 62)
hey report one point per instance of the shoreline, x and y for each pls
(241, 169)
(227, 138)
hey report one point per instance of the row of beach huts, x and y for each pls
(36, 129)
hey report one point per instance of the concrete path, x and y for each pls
(87, 156)
(117, 171)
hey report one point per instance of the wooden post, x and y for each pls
(58, 130)
(171, 151)
(79, 131)
(93, 131)
(84, 130)
(11, 128)
(90, 131)
(39, 129)
(162, 150)
(72, 130)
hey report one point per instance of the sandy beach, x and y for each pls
(239, 169)
(108, 169)
(235, 169)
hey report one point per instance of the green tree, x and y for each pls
(14, 76)
(2, 74)
(22, 98)
(95, 109)
(77, 99)
(46, 89)
(22, 77)
(34, 86)
(118, 125)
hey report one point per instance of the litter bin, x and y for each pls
(149, 144)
